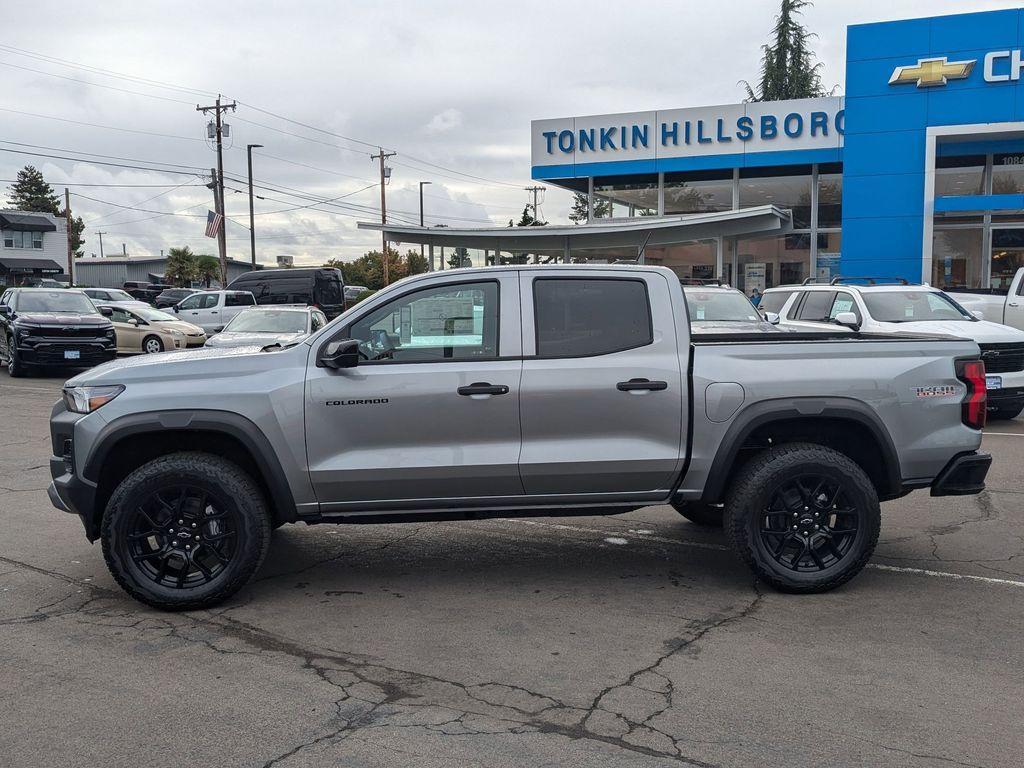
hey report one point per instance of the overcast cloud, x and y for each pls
(453, 84)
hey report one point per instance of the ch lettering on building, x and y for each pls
(914, 171)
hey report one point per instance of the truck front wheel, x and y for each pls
(185, 531)
(804, 517)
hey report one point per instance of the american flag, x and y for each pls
(214, 221)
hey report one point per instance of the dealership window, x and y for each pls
(960, 175)
(783, 187)
(1007, 257)
(699, 192)
(16, 239)
(830, 196)
(957, 258)
(766, 262)
(830, 249)
(621, 196)
(688, 260)
(1008, 174)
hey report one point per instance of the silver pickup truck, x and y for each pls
(511, 392)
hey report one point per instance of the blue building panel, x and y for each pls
(871, 154)
(988, 30)
(898, 112)
(898, 194)
(898, 38)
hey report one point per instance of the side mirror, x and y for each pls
(176, 308)
(339, 354)
(5, 310)
(847, 319)
(106, 311)
(978, 314)
(134, 321)
(772, 317)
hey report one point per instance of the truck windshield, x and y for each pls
(55, 301)
(268, 321)
(913, 307)
(720, 306)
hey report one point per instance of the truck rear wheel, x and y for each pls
(185, 531)
(804, 517)
(700, 513)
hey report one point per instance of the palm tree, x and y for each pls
(207, 269)
(181, 266)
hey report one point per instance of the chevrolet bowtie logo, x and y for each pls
(929, 72)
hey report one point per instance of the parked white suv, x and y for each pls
(211, 310)
(903, 308)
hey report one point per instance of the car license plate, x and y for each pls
(993, 382)
(72, 354)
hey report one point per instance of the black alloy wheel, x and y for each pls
(182, 536)
(809, 523)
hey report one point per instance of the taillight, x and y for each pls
(975, 404)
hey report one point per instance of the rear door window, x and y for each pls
(816, 306)
(330, 290)
(579, 317)
(843, 302)
(238, 300)
(773, 302)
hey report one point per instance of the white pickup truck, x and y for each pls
(1006, 308)
(211, 310)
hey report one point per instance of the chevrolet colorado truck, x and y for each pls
(511, 392)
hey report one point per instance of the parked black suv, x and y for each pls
(171, 296)
(320, 288)
(54, 328)
(146, 292)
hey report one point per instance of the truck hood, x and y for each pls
(62, 318)
(202, 363)
(228, 339)
(981, 331)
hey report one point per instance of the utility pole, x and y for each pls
(222, 243)
(252, 217)
(385, 174)
(71, 250)
(422, 183)
(535, 190)
(101, 234)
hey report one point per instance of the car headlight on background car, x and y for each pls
(88, 399)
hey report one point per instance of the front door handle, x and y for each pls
(482, 388)
(637, 385)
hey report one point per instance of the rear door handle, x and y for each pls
(482, 388)
(635, 385)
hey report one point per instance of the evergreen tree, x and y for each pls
(788, 69)
(578, 213)
(527, 220)
(30, 192)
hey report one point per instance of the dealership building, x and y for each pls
(915, 171)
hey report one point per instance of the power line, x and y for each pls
(97, 162)
(86, 82)
(140, 202)
(105, 127)
(142, 210)
(126, 186)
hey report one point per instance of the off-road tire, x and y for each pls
(1005, 413)
(147, 340)
(750, 494)
(204, 471)
(709, 515)
(15, 368)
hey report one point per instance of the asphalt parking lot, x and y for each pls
(635, 640)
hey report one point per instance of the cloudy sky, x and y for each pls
(450, 86)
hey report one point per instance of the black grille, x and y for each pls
(1002, 358)
(53, 354)
(68, 332)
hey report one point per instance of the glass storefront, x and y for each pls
(699, 192)
(785, 188)
(770, 261)
(957, 258)
(691, 261)
(960, 175)
(619, 196)
(830, 196)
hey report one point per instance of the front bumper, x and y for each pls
(51, 353)
(67, 491)
(963, 475)
(1005, 397)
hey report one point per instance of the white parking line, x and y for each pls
(1003, 434)
(945, 574)
(608, 537)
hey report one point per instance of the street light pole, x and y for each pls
(252, 217)
(421, 222)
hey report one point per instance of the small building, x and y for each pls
(32, 246)
(115, 271)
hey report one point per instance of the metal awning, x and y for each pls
(46, 266)
(603, 233)
(23, 222)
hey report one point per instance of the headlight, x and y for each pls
(110, 332)
(88, 399)
(177, 334)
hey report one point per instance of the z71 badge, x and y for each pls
(943, 391)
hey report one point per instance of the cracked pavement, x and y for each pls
(635, 640)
